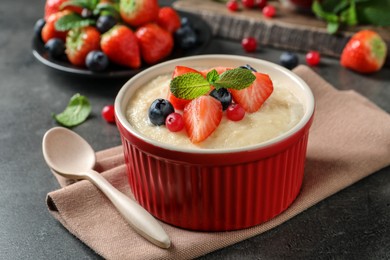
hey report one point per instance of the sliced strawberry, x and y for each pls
(179, 103)
(365, 52)
(79, 42)
(137, 13)
(253, 97)
(155, 43)
(219, 69)
(168, 19)
(49, 30)
(121, 46)
(201, 117)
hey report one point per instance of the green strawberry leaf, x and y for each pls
(75, 113)
(212, 76)
(237, 78)
(189, 86)
(72, 21)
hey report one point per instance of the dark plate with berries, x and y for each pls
(187, 43)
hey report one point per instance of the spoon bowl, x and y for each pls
(69, 155)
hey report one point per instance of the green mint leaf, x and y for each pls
(375, 12)
(325, 15)
(72, 21)
(332, 27)
(189, 86)
(107, 9)
(348, 16)
(212, 76)
(75, 113)
(237, 78)
(88, 4)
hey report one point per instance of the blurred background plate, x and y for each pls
(202, 30)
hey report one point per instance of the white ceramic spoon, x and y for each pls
(69, 155)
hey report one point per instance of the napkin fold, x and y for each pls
(349, 140)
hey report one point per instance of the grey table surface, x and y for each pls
(352, 224)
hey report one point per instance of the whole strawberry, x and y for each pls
(54, 6)
(365, 52)
(138, 12)
(49, 30)
(121, 46)
(155, 43)
(168, 19)
(79, 42)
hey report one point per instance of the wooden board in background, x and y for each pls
(288, 30)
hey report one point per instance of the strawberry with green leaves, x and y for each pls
(81, 41)
(54, 6)
(155, 43)
(121, 46)
(365, 52)
(138, 12)
(49, 30)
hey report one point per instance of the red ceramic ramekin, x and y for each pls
(216, 189)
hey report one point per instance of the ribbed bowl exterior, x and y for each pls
(216, 197)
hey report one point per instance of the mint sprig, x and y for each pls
(192, 85)
(75, 113)
(72, 21)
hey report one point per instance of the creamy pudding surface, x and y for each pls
(280, 112)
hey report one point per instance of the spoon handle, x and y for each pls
(138, 218)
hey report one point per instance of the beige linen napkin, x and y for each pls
(349, 140)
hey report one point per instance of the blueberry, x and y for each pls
(185, 37)
(185, 22)
(289, 60)
(105, 23)
(38, 28)
(248, 67)
(223, 95)
(96, 61)
(159, 110)
(55, 47)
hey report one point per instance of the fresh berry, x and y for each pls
(55, 47)
(235, 112)
(186, 37)
(248, 3)
(262, 3)
(253, 97)
(201, 117)
(108, 113)
(168, 19)
(232, 5)
(289, 60)
(38, 28)
(313, 58)
(96, 61)
(155, 43)
(159, 110)
(223, 96)
(184, 21)
(49, 30)
(248, 67)
(249, 44)
(79, 42)
(105, 23)
(180, 103)
(137, 13)
(121, 46)
(55, 6)
(174, 122)
(365, 52)
(269, 11)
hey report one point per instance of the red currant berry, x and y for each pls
(108, 113)
(269, 11)
(313, 58)
(174, 122)
(261, 3)
(249, 44)
(248, 3)
(235, 112)
(232, 5)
